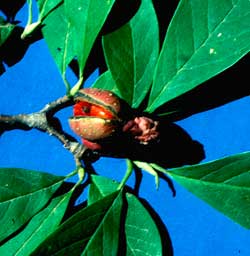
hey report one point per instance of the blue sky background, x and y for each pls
(195, 228)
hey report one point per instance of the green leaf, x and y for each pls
(38, 229)
(100, 187)
(224, 184)
(5, 30)
(93, 230)
(142, 235)
(46, 6)
(22, 194)
(106, 82)
(86, 19)
(105, 241)
(203, 39)
(59, 40)
(131, 54)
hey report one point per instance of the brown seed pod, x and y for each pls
(95, 114)
(92, 128)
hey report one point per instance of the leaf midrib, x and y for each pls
(217, 184)
(198, 49)
(41, 224)
(30, 193)
(101, 223)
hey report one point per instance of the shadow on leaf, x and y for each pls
(167, 248)
(14, 48)
(122, 11)
(166, 244)
(164, 11)
(230, 85)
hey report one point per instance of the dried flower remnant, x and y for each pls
(143, 129)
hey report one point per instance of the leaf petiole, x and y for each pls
(148, 168)
(30, 26)
(127, 174)
(77, 86)
(81, 174)
(159, 168)
(67, 85)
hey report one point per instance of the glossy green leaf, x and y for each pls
(88, 232)
(5, 30)
(131, 54)
(105, 241)
(106, 82)
(46, 6)
(141, 232)
(22, 194)
(59, 40)
(86, 19)
(100, 187)
(203, 39)
(224, 184)
(142, 235)
(38, 229)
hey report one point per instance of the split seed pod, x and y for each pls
(96, 114)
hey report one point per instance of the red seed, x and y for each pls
(100, 112)
(81, 108)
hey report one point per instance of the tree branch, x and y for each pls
(45, 121)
